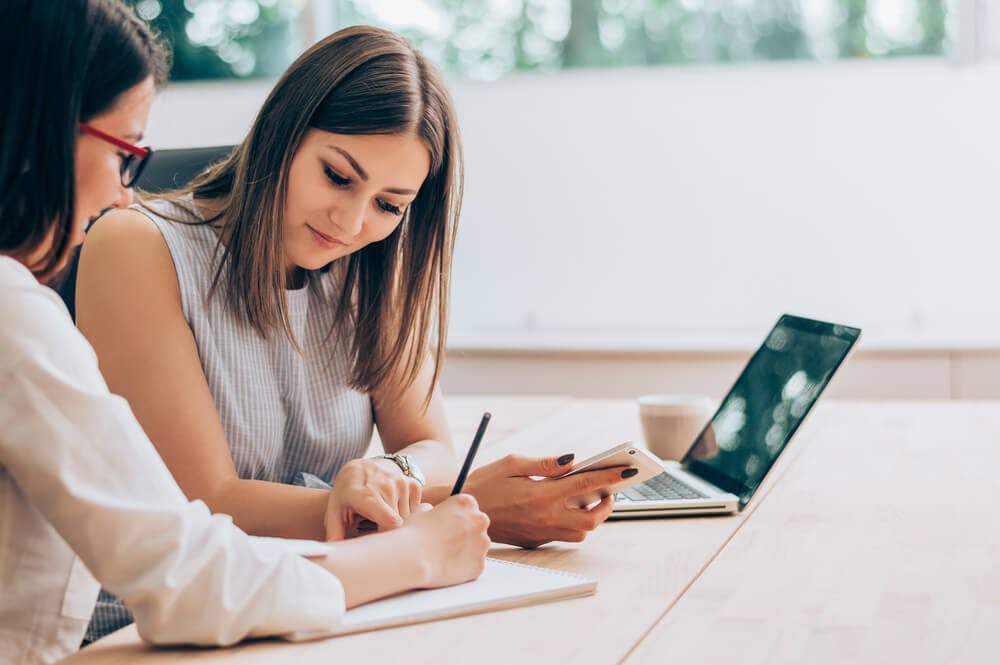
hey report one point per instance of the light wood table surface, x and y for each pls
(881, 545)
(823, 567)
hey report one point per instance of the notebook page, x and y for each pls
(503, 584)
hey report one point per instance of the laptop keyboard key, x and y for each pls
(663, 487)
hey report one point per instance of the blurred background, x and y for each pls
(651, 183)
(486, 39)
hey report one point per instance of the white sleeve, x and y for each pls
(79, 455)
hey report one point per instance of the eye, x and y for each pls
(387, 207)
(335, 178)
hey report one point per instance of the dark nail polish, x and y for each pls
(566, 459)
(628, 473)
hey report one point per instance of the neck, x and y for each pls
(295, 277)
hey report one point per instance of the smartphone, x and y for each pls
(624, 455)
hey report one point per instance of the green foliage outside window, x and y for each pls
(485, 39)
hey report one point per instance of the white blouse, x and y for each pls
(85, 500)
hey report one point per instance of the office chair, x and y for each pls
(167, 169)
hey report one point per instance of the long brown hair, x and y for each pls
(64, 63)
(394, 293)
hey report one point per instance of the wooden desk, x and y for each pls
(824, 567)
(881, 545)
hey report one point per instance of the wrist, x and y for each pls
(419, 567)
(387, 464)
(406, 465)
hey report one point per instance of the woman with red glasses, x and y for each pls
(85, 498)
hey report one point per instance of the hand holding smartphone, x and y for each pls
(624, 455)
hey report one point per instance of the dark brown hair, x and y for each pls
(394, 293)
(64, 62)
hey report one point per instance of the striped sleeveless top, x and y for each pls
(288, 417)
(284, 413)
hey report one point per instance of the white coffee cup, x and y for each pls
(670, 423)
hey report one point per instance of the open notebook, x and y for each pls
(503, 584)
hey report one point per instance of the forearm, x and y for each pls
(187, 575)
(377, 565)
(436, 459)
(264, 508)
(435, 494)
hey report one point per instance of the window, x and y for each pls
(486, 39)
(218, 39)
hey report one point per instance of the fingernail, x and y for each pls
(628, 473)
(566, 459)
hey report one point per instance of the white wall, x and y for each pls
(665, 206)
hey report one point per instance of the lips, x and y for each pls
(328, 242)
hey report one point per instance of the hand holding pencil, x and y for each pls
(453, 535)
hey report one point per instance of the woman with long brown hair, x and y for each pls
(264, 319)
(85, 498)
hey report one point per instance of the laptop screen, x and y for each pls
(768, 402)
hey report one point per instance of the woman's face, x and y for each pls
(98, 163)
(346, 191)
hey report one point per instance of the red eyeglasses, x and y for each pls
(133, 163)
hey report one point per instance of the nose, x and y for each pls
(124, 198)
(350, 218)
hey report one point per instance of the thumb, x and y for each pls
(335, 528)
(519, 465)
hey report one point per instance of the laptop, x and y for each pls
(729, 460)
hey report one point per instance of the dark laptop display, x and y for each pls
(767, 404)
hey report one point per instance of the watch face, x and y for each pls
(411, 469)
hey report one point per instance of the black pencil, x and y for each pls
(471, 454)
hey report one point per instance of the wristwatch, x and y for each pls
(407, 465)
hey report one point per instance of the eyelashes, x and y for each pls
(389, 208)
(335, 178)
(343, 183)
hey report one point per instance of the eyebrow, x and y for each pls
(364, 176)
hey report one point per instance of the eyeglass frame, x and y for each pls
(135, 152)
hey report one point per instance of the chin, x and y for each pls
(315, 258)
(313, 263)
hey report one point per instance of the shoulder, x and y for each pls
(123, 241)
(36, 322)
(125, 262)
(125, 229)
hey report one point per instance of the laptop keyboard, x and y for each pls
(663, 487)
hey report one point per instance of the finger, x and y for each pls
(336, 519)
(604, 508)
(424, 507)
(565, 535)
(519, 465)
(402, 495)
(410, 493)
(415, 501)
(404, 506)
(588, 519)
(335, 528)
(588, 481)
(377, 510)
(463, 501)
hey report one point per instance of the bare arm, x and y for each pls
(188, 576)
(405, 427)
(129, 308)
